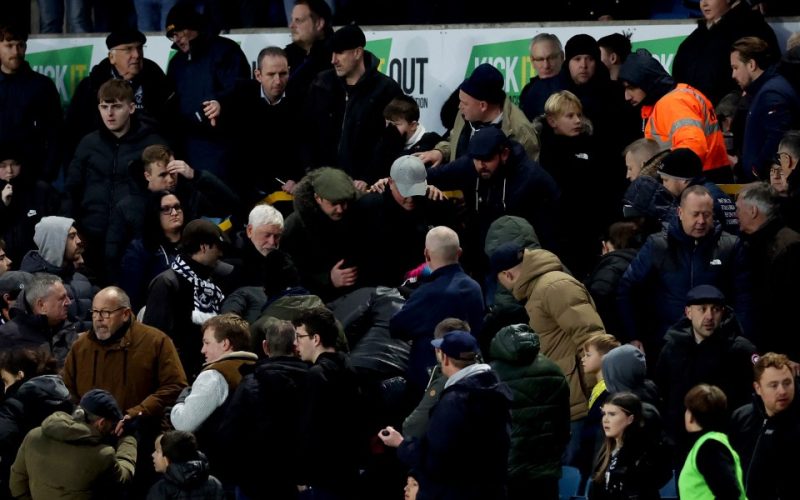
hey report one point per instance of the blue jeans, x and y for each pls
(152, 14)
(51, 16)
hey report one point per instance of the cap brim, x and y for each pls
(418, 189)
(437, 343)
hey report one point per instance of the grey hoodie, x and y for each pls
(50, 237)
(625, 370)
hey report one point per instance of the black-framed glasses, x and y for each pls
(298, 336)
(167, 209)
(103, 313)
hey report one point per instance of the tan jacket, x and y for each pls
(515, 125)
(563, 314)
(142, 370)
(67, 459)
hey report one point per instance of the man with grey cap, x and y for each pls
(397, 221)
(69, 456)
(344, 109)
(184, 296)
(322, 234)
(498, 178)
(126, 62)
(60, 252)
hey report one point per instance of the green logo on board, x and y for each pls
(66, 67)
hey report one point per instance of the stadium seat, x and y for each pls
(569, 483)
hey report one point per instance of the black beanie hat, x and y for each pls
(582, 44)
(181, 17)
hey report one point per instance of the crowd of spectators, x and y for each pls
(285, 286)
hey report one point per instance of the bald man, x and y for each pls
(447, 293)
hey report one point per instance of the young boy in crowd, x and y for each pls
(184, 467)
(594, 349)
(404, 134)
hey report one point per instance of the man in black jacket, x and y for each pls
(333, 415)
(125, 62)
(309, 53)
(766, 432)
(39, 319)
(261, 424)
(266, 114)
(398, 220)
(31, 106)
(345, 109)
(774, 251)
(705, 347)
(464, 453)
(183, 297)
(99, 175)
(499, 178)
(203, 72)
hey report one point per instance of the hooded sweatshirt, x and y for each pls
(625, 370)
(51, 238)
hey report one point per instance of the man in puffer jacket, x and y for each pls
(539, 412)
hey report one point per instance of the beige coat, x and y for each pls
(563, 314)
(515, 125)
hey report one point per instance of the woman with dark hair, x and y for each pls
(33, 392)
(153, 253)
(712, 469)
(625, 467)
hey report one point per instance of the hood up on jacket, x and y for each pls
(51, 238)
(189, 475)
(510, 228)
(516, 345)
(641, 70)
(62, 427)
(625, 370)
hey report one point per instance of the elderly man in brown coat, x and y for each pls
(561, 312)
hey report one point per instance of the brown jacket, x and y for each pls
(563, 314)
(142, 369)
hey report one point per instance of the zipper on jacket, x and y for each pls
(755, 448)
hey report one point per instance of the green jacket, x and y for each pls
(540, 411)
(67, 459)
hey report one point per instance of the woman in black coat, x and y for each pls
(627, 465)
(153, 253)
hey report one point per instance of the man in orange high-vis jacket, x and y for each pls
(675, 115)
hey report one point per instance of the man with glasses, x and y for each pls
(31, 115)
(136, 363)
(126, 62)
(332, 423)
(547, 56)
(786, 159)
(203, 73)
(203, 194)
(309, 53)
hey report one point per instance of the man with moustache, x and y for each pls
(498, 178)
